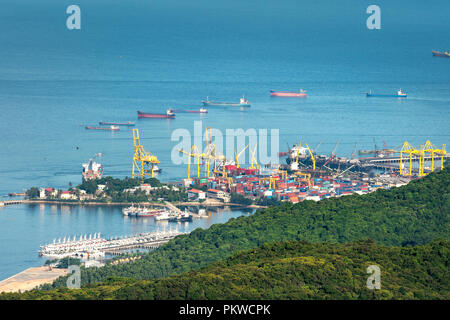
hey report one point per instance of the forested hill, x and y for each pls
(290, 270)
(410, 215)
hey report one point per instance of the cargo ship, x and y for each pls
(168, 115)
(445, 54)
(129, 123)
(400, 94)
(92, 170)
(243, 102)
(110, 128)
(300, 94)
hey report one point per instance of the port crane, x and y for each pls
(253, 162)
(332, 155)
(143, 161)
(312, 158)
(354, 151)
(237, 155)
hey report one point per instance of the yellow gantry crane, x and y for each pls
(303, 176)
(204, 158)
(426, 150)
(253, 162)
(429, 148)
(312, 158)
(194, 153)
(143, 161)
(237, 155)
(412, 152)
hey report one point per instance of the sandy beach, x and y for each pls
(31, 278)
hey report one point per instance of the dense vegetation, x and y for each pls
(410, 215)
(240, 199)
(115, 191)
(64, 263)
(290, 270)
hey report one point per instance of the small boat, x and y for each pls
(129, 123)
(110, 128)
(243, 102)
(445, 54)
(168, 115)
(183, 217)
(400, 94)
(202, 110)
(142, 211)
(300, 94)
(166, 215)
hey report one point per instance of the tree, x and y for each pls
(33, 192)
(89, 186)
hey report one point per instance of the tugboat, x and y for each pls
(168, 115)
(243, 102)
(300, 94)
(400, 94)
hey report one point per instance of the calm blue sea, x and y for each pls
(151, 55)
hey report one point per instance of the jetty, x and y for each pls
(10, 202)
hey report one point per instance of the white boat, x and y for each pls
(166, 215)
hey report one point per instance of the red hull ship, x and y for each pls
(300, 94)
(168, 115)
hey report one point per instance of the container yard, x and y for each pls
(308, 176)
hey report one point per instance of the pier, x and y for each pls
(10, 202)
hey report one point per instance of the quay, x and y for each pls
(10, 202)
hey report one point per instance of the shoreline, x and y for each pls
(30, 278)
(186, 204)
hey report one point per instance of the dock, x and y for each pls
(97, 246)
(10, 202)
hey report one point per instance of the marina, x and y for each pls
(44, 222)
(93, 246)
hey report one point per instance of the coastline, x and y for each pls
(31, 278)
(185, 204)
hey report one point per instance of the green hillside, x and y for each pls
(410, 215)
(290, 270)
